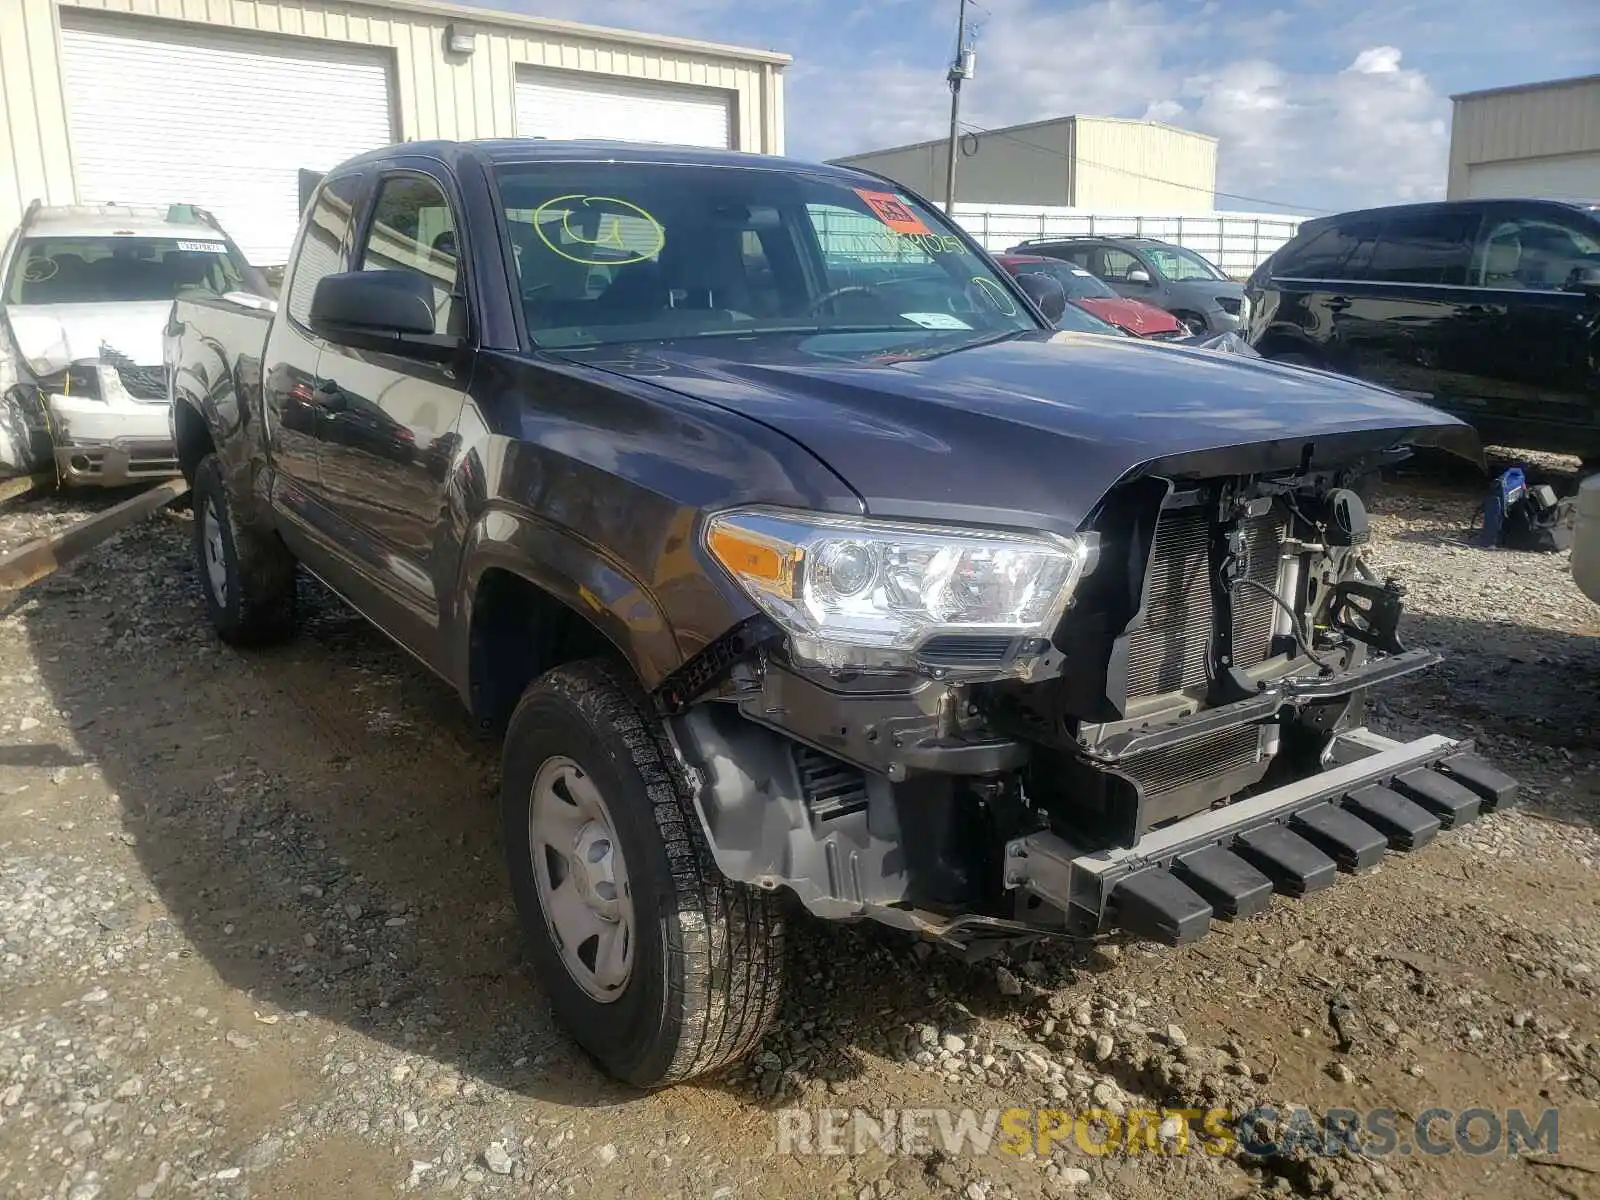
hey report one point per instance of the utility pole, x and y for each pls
(960, 69)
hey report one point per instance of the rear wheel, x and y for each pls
(247, 574)
(657, 965)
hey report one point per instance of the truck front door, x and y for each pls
(386, 446)
(295, 410)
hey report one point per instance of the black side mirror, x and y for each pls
(1584, 279)
(382, 304)
(1045, 292)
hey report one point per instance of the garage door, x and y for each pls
(225, 119)
(570, 105)
(1559, 177)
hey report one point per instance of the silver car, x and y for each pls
(85, 292)
(1169, 276)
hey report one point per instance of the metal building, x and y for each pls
(221, 103)
(1536, 139)
(1107, 164)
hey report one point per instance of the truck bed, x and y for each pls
(215, 343)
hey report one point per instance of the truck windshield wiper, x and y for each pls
(813, 329)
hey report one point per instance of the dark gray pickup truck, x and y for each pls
(806, 567)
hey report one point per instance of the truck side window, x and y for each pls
(413, 230)
(322, 249)
(1428, 247)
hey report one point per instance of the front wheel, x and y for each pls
(658, 966)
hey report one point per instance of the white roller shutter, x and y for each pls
(217, 117)
(570, 105)
(1561, 177)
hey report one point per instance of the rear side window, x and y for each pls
(1081, 256)
(413, 230)
(109, 270)
(322, 249)
(1433, 247)
(1334, 252)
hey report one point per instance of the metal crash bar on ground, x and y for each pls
(34, 560)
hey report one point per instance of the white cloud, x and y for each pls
(1377, 60)
(1374, 132)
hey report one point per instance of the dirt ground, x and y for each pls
(255, 939)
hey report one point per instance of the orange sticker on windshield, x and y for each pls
(892, 211)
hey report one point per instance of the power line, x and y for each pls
(1053, 153)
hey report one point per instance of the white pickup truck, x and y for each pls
(85, 292)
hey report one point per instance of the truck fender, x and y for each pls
(581, 576)
(213, 393)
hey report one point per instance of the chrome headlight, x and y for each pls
(855, 592)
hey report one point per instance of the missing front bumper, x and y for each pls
(1227, 862)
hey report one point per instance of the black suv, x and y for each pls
(1160, 273)
(1489, 309)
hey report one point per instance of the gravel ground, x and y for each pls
(255, 938)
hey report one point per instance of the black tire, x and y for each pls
(257, 604)
(1197, 324)
(707, 970)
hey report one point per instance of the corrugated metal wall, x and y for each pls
(438, 95)
(1543, 122)
(1121, 166)
(1136, 166)
(34, 158)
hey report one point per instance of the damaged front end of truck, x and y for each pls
(1148, 725)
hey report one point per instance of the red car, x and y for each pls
(1087, 292)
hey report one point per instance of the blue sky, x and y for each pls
(1320, 105)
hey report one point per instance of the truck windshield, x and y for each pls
(619, 252)
(98, 270)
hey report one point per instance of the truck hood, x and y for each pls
(50, 337)
(1034, 429)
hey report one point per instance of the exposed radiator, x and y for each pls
(1163, 771)
(1170, 651)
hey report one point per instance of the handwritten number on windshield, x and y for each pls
(609, 247)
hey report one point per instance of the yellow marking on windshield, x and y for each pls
(608, 234)
(997, 295)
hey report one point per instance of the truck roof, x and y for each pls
(524, 150)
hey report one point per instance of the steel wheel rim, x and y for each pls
(581, 879)
(215, 553)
